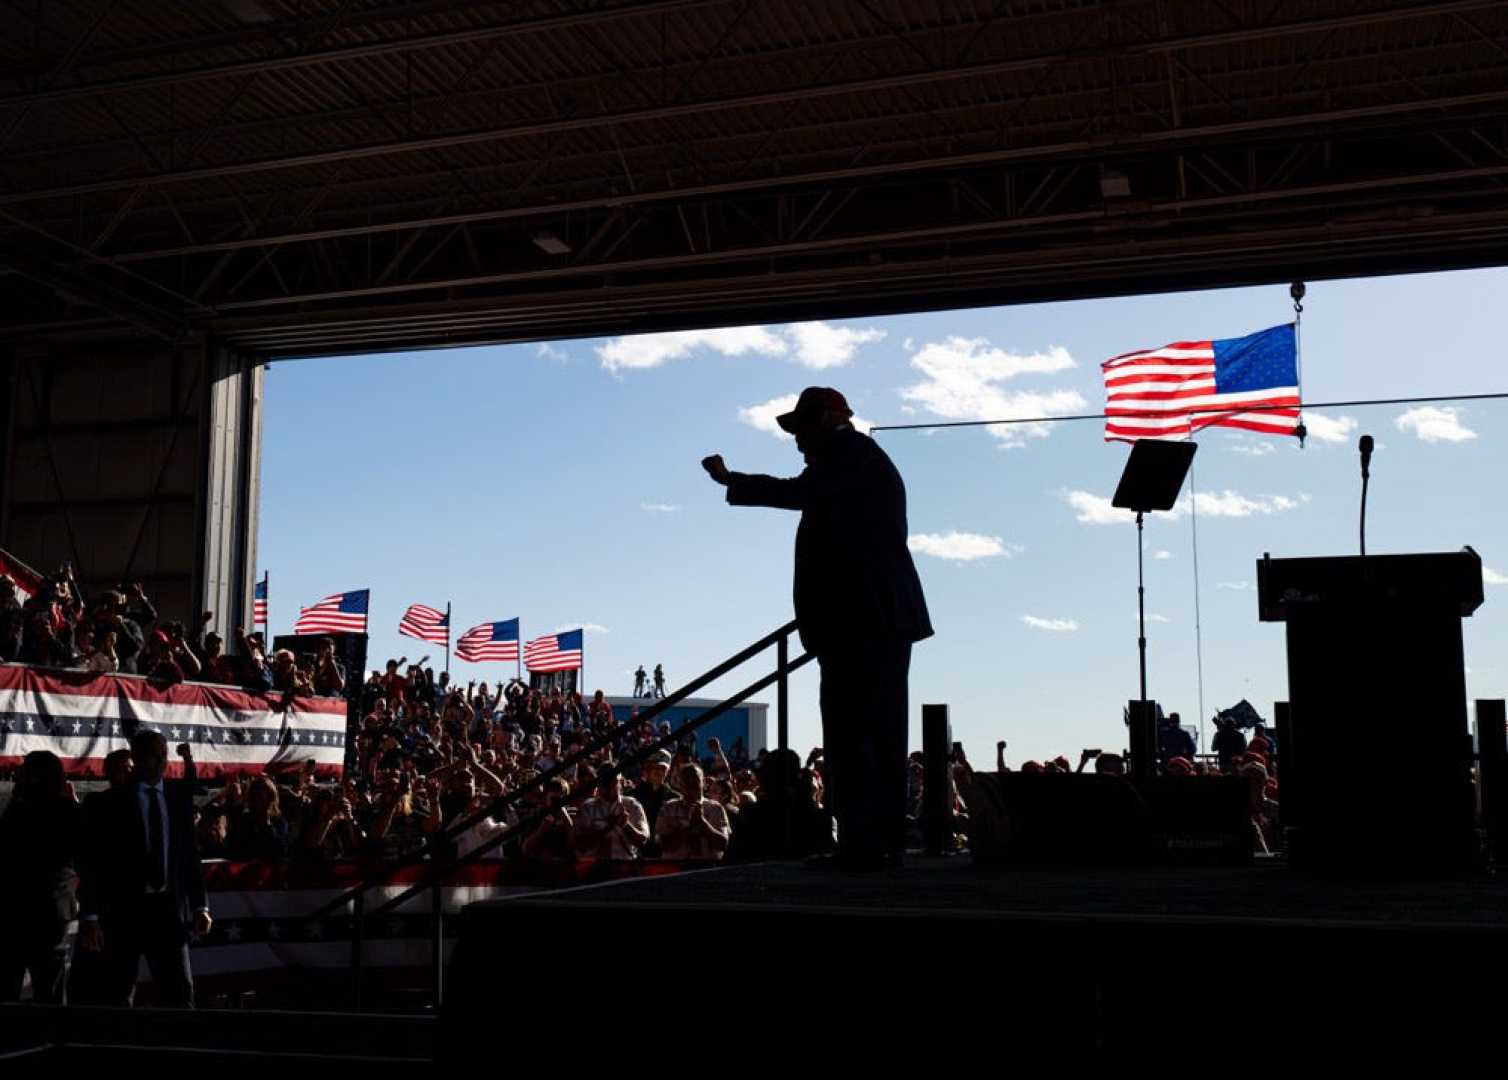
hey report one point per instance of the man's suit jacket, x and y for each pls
(854, 578)
(115, 865)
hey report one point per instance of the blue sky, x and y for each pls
(560, 483)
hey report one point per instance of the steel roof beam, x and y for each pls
(365, 49)
(1194, 135)
(665, 112)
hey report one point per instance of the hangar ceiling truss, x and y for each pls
(301, 177)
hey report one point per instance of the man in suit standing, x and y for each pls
(143, 886)
(859, 608)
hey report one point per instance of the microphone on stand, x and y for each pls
(1365, 446)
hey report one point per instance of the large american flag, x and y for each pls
(490, 641)
(1248, 382)
(426, 623)
(259, 603)
(343, 613)
(554, 652)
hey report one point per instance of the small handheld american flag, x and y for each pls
(26, 580)
(490, 641)
(259, 603)
(554, 652)
(343, 613)
(427, 624)
(1248, 382)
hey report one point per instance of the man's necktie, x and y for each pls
(156, 870)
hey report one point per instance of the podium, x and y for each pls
(1376, 773)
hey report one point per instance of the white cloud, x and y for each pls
(1158, 619)
(589, 627)
(1161, 555)
(815, 345)
(1057, 626)
(819, 345)
(909, 344)
(652, 350)
(659, 508)
(1432, 424)
(964, 378)
(961, 546)
(1493, 577)
(1233, 504)
(1235, 586)
(763, 416)
(546, 351)
(1254, 449)
(1092, 509)
(1329, 429)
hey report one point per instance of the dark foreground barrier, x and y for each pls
(1108, 820)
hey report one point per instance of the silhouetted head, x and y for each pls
(118, 767)
(1110, 765)
(41, 776)
(691, 783)
(778, 773)
(149, 755)
(819, 411)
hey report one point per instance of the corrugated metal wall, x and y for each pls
(138, 463)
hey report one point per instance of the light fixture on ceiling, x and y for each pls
(551, 244)
(1114, 184)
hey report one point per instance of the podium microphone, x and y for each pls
(1365, 446)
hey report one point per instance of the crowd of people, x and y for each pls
(118, 630)
(1254, 759)
(431, 758)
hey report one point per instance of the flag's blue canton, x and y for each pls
(355, 603)
(568, 641)
(507, 630)
(261, 591)
(1258, 361)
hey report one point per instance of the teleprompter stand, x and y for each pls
(1152, 479)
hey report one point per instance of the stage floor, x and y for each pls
(1059, 956)
(1267, 893)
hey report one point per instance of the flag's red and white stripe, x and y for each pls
(425, 623)
(545, 654)
(326, 617)
(477, 646)
(81, 717)
(1170, 393)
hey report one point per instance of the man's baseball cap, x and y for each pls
(813, 400)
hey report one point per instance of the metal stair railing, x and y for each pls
(436, 853)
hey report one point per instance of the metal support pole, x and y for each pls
(1143, 718)
(782, 694)
(437, 945)
(1141, 610)
(937, 807)
(1492, 773)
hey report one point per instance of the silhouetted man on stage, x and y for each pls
(859, 608)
